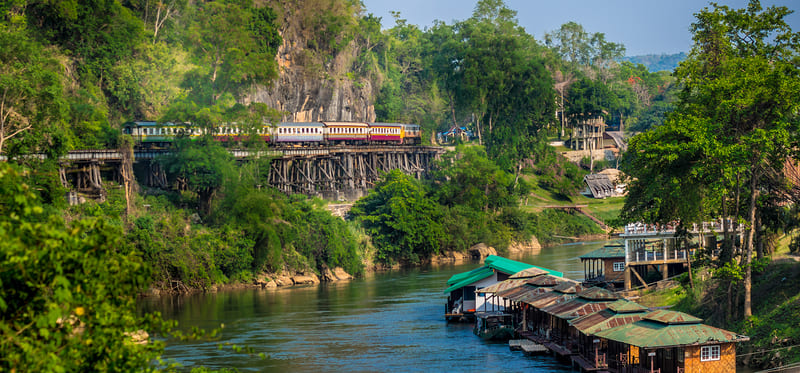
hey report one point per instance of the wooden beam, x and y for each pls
(639, 277)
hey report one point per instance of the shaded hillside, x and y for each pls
(658, 62)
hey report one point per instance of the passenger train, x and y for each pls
(153, 134)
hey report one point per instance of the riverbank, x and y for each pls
(772, 329)
(268, 280)
(382, 321)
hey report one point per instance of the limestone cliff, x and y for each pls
(314, 84)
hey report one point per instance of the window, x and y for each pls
(619, 266)
(709, 353)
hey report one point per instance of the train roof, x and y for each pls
(154, 124)
(141, 123)
(302, 124)
(350, 124)
(379, 124)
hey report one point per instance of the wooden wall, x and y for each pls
(608, 270)
(726, 362)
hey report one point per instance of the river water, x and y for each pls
(389, 321)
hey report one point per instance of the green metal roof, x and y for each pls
(608, 251)
(648, 333)
(672, 317)
(608, 318)
(458, 277)
(492, 263)
(598, 294)
(474, 275)
(511, 267)
(626, 306)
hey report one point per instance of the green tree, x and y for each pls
(577, 46)
(201, 166)
(236, 45)
(736, 113)
(405, 225)
(469, 178)
(68, 294)
(99, 33)
(32, 105)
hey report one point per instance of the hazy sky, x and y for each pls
(643, 26)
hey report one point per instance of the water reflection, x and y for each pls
(388, 321)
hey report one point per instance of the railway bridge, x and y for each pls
(332, 172)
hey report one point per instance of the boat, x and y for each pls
(497, 325)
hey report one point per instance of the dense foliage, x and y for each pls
(469, 200)
(67, 289)
(723, 151)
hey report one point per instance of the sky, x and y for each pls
(643, 26)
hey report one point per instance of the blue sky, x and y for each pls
(643, 26)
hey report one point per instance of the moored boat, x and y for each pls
(494, 325)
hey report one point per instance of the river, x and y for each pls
(388, 321)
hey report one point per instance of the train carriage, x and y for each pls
(152, 134)
(354, 133)
(148, 134)
(385, 133)
(299, 133)
(234, 133)
(411, 134)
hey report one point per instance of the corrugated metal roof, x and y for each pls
(598, 293)
(458, 277)
(626, 306)
(652, 334)
(605, 319)
(616, 250)
(501, 286)
(672, 317)
(530, 272)
(549, 298)
(492, 263)
(568, 287)
(513, 292)
(546, 280)
(475, 275)
(523, 292)
(564, 309)
(529, 296)
(511, 267)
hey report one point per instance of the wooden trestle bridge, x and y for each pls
(333, 172)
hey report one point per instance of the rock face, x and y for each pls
(450, 256)
(303, 279)
(337, 274)
(481, 251)
(519, 247)
(313, 85)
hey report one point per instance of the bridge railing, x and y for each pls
(635, 229)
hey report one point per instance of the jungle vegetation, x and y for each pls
(714, 139)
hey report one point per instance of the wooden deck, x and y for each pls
(552, 346)
(586, 365)
(527, 346)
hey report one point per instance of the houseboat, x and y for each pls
(495, 325)
(463, 300)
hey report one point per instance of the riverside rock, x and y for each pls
(305, 279)
(337, 274)
(450, 256)
(530, 246)
(481, 251)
